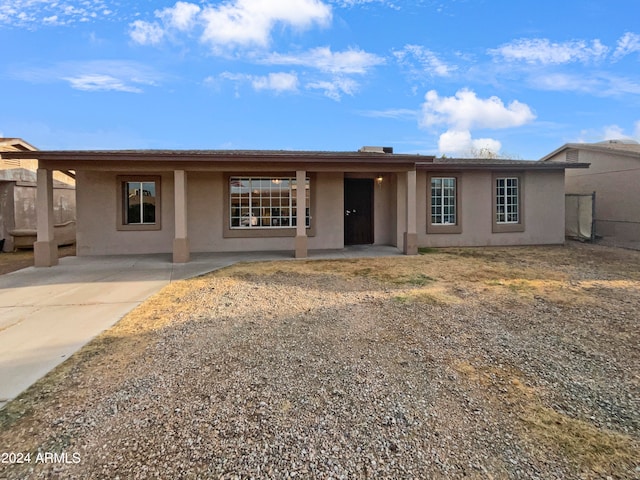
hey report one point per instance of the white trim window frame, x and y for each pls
(258, 203)
(443, 201)
(507, 200)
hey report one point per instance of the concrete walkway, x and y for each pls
(47, 314)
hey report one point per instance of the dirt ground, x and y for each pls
(497, 363)
(12, 261)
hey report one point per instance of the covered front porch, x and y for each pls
(193, 202)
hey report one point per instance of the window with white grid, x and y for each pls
(507, 200)
(265, 202)
(443, 200)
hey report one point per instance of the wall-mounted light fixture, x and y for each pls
(379, 179)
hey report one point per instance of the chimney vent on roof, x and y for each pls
(370, 149)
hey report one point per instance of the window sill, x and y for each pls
(507, 227)
(443, 229)
(139, 228)
(264, 233)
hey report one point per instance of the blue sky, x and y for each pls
(453, 77)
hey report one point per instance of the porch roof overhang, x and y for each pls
(220, 160)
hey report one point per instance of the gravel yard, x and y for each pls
(518, 363)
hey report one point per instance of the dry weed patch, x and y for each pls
(593, 450)
(596, 451)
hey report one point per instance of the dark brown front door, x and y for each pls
(358, 211)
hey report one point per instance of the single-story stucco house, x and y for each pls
(179, 202)
(614, 176)
(18, 198)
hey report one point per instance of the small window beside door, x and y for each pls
(139, 203)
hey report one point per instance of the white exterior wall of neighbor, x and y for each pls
(543, 205)
(616, 180)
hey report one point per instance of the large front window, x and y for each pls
(507, 200)
(265, 202)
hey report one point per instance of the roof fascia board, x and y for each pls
(218, 156)
(479, 166)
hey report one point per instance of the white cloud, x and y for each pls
(608, 132)
(351, 61)
(598, 84)
(96, 75)
(98, 82)
(627, 44)
(543, 51)
(250, 22)
(335, 88)
(278, 82)
(182, 16)
(565, 82)
(287, 82)
(146, 33)
(234, 23)
(613, 132)
(466, 111)
(427, 61)
(460, 143)
(52, 20)
(353, 3)
(395, 113)
(33, 13)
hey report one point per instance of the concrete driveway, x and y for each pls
(47, 314)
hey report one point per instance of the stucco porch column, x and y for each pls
(301, 215)
(45, 249)
(410, 235)
(181, 251)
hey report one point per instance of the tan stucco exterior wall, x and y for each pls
(97, 218)
(543, 211)
(616, 181)
(206, 216)
(98, 214)
(97, 211)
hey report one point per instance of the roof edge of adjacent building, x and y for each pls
(618, 148)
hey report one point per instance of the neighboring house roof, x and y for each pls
(8, 144)
(289, 157)
(612, 147)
